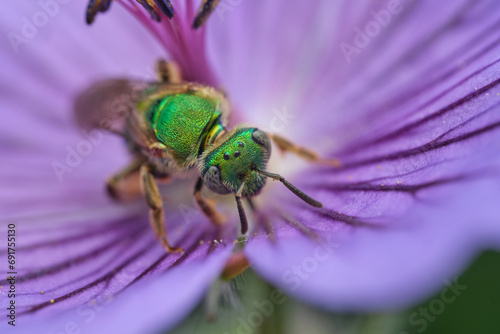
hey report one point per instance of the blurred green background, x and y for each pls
(239, 307)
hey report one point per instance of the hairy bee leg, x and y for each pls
(242, 214)
(168, 72)
(113, 184)
(206, 207)
(303, 152)
(154, 201)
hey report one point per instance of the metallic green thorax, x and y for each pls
(185, 124)
(235, 158)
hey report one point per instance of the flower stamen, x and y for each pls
(152, 9)
(165, 6)
(206, 8)
(94, 7)
(184, 45)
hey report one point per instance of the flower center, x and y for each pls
(180, 32)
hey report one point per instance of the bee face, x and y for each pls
(232, 164)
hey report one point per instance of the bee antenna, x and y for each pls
(299, 193)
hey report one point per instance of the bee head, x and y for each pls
(231, 166)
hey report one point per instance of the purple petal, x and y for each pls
(153, 305)
(414, 120)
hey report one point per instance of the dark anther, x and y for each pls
(166, 7)
(241, 176)
(206, 8)
(237, 154)
(241, 144)
(226, 156)
(95, 6)
(154, 14)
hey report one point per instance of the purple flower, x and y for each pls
(406, 95)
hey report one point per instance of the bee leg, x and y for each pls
(286, 145)
(242, 214)
(122, 186)
(154, 200)
(168, 72)
(207, 207)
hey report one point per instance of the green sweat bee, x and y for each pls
(172, 126)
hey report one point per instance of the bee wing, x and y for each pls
(108, 104)
(112, 105)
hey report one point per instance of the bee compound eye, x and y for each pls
(213, 180)
(261, 138)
